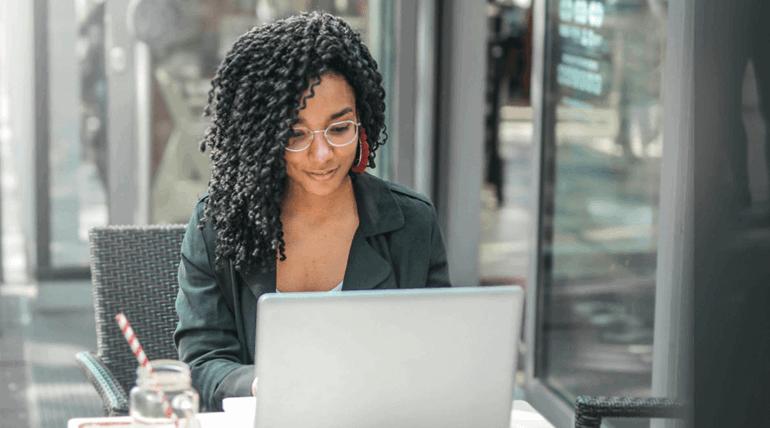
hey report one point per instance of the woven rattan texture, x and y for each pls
(134, 271)
(589, 411)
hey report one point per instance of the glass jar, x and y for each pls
(172, 379)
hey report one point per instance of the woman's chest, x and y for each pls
(316, 258)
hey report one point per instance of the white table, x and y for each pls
(237, 416)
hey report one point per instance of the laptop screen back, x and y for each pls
(388, 358)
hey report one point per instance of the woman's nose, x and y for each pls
(320, 149)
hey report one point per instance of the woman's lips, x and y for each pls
(322, 175)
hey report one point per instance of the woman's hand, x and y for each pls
(254, 387)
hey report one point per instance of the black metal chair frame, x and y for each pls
(133, 270)
(589, 411)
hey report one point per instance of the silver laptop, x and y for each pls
(388, 358)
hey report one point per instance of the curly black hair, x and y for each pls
(255, 97)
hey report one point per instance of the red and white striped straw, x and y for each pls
(128, 333)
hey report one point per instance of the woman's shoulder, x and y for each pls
(416, 208)
(403, 194)
(193, 229)
(200, 206)
(407, 195)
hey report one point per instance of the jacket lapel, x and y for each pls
(378, 211)
(366, 268)
(259, 282)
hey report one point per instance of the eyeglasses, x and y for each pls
(338, 134)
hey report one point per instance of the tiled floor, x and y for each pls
(42, 327)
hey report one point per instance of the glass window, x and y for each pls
(187, 41)
(601, 180)
(77, 129)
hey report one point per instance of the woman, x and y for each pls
(297, 112)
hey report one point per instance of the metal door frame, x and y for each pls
(122, 146)
(460, 133)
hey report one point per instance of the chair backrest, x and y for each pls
(134, 270)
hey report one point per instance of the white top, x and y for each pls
(337, 288)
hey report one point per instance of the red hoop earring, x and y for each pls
(364, 153)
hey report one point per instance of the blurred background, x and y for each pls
(541, 130)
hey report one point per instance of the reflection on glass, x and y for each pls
(505, 198)
(182, 70)
(77, 150)
(601, 196)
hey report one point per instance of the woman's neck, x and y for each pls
(298, 203)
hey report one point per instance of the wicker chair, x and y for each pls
(134, 271)
(589, 411)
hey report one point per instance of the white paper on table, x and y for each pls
(525, 416)
(240, 410)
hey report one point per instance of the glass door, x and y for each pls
(602, 150)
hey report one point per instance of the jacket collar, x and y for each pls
(378, 213)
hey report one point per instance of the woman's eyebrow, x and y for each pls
(339, 114)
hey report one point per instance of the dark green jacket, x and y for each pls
(398, 244)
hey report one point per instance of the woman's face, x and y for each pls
(321, 169)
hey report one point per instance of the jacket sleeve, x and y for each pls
(438, 269)
(206, 336)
